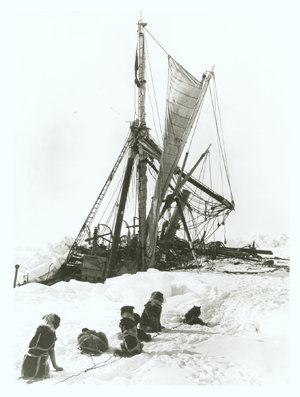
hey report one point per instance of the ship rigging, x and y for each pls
(177, 208)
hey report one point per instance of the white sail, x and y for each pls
(184, 97)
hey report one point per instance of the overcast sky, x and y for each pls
(74, 94)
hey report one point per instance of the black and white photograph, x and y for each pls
(150, 197)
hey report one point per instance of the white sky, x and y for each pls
(67, 89)
(73, 94)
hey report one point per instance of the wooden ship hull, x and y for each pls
(180, 201)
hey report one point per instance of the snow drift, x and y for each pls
(245, 344)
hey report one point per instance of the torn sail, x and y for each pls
(184, 97)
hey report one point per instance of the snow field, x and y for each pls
(246, 343)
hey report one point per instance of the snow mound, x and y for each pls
(245, 314)
(39, 264)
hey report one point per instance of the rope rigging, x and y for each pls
(109, 201)
(155, 97)
(206, 209)
(216, 111)
(157, 42)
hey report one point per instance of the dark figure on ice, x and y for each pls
(192, 316)
(143, 337)
(92, 342)
(150, 319)
(131, 344)
(35, 364)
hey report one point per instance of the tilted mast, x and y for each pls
(184, 98)
(185, 95)
(125, 186)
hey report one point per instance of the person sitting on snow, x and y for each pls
(192, 316)
(92, 342)
(35, 364)
(131, 344)
(150, 319)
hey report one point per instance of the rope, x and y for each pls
(214, 101)
(95, 366)
(217, 128)
(195, 126)
(157, 42)
(113, 193)
(155, 96)
(106, 362)
(114, 208)
(223, 151)
(220, 120)
(155, 129)
(159, 333)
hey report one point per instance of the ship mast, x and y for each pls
(138, 131)
(141, 72)
(112, 264)
(142, 132)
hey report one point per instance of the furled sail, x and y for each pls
(184, 97)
